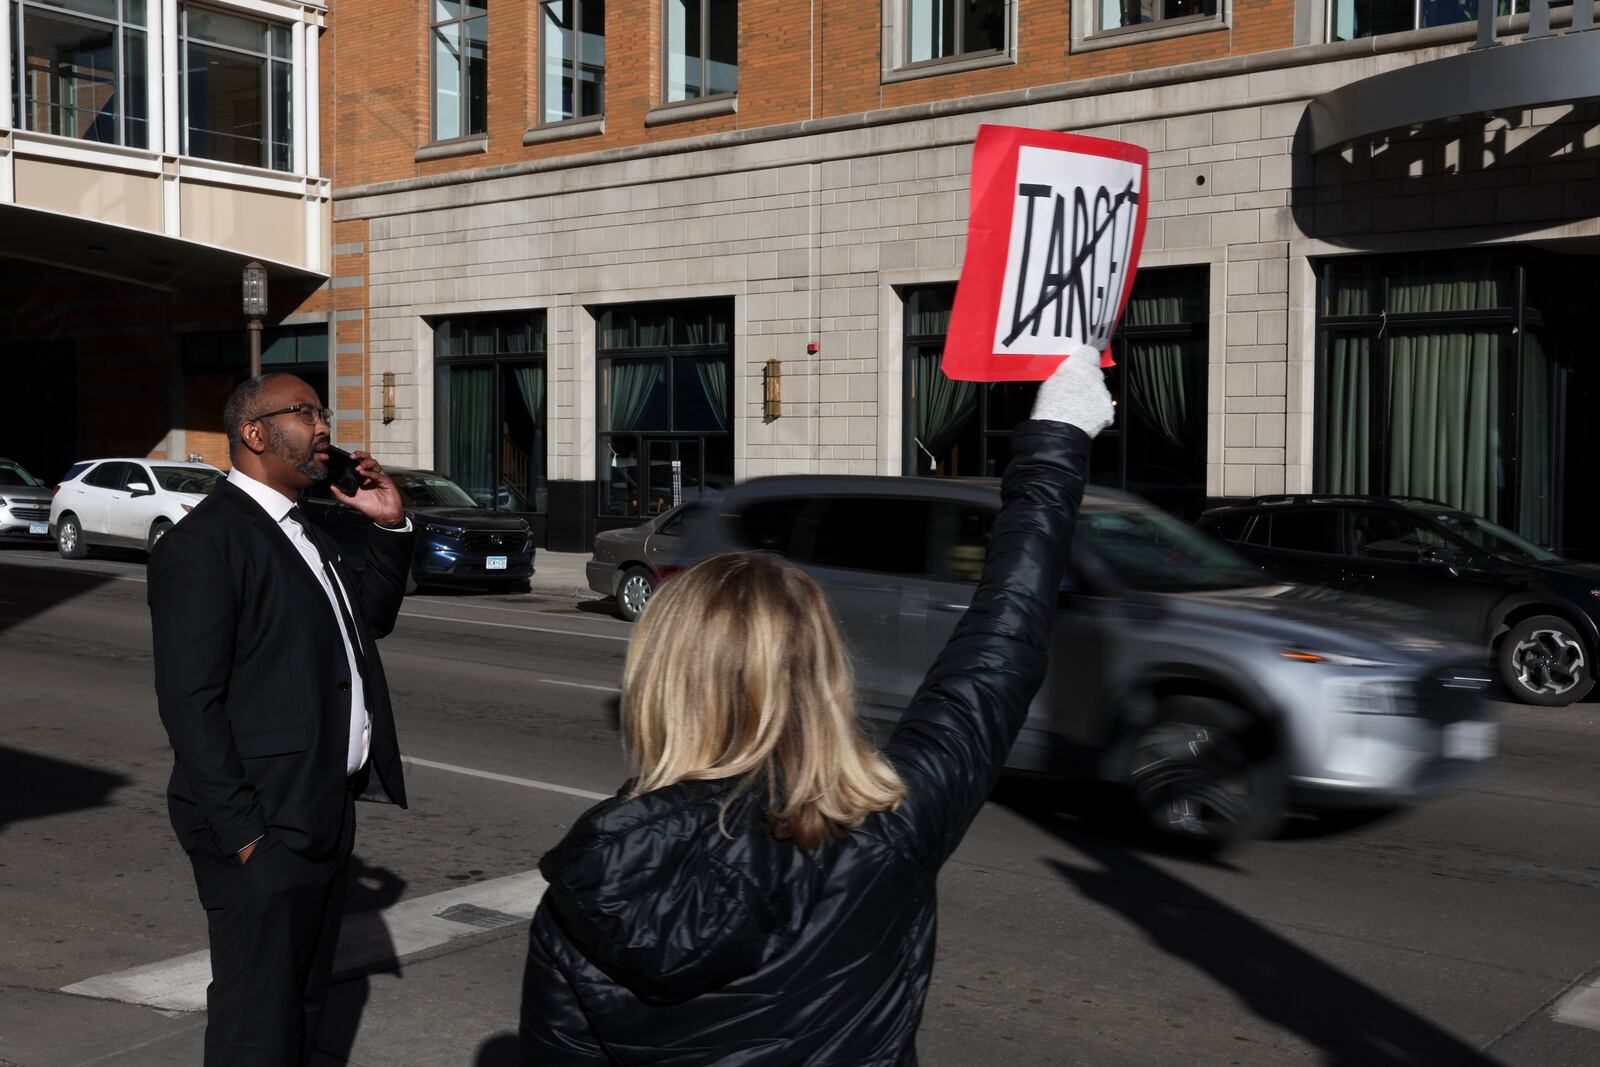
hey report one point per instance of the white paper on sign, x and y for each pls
(1072, 232)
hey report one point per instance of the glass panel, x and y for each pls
(899, 541)
(556, 37)
(700, 394)
(683, 49)
(69, 70)
(1154, 552)
(1163, 414)
(1347, 425)
(1385, 535)
(522, 437)
(477, 75)
(133, 12)
(658, 495)
(1444, 418)
(931, 29)
(446, 10)
(135, 90)
(447, 82)
(719, 462)
(616, 330)
(655, 329)
(106, 9)
(636, 394)
(1181, 9)
(469, 431)
(591, 57)
(928, 311)
(225, 105)
(282, 117)
(619, 479)
(282, 41)
(313, 344)
(229, 30)
(771, 525)
(983, 29)
(722, 65)
(946, 437)
(1446, 12)
(1539, 447)
(477, 7)
(1470, 284)
(1305, 531)
(1115, 14)
(1367, 18)
(278, 350)
(1352, 288)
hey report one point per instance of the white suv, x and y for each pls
(128, 503)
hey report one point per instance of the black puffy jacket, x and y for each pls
(663, 941)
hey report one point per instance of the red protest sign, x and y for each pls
(1057, 221)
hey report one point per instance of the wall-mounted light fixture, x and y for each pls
(772, 402)
(388, 397)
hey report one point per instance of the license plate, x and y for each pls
(495, 563)
(38, 527)
(1470, 740)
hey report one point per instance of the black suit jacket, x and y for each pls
(253, 683)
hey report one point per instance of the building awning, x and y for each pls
(128, 254)
(1538, 72)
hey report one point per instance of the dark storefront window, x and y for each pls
(1155, 449)
(298, 350)
(1436, 380)
(666, 405)
(490, 407)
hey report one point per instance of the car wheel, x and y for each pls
(158, 530)
(1206, 774)
(69, 538)
(1543, 662)
(634, 593)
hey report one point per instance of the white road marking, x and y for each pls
(1580, 1007)
(514, 626)
(526, 783)
(367, 939)
(440, 601)
(580, 685)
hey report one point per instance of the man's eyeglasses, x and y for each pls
(306, 413)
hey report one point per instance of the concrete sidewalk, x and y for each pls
(561, 574)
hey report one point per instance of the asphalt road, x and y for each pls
(1443, 935)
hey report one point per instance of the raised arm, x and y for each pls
(193, 616)
(954, 737)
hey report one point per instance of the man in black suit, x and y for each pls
(273, 696)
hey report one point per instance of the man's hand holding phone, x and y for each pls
(355, 478)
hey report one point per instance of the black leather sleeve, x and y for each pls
(954, 737)
(554, 1031)
(194, 621)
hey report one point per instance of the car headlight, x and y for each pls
(1337, 659)
(442, 531)
(1367, 697)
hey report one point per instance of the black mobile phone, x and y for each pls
(342, 473)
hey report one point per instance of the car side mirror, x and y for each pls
(140, 489)
(1442, 557)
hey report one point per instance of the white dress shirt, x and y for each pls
(277, 506)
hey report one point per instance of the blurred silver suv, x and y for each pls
(24, 504)
(1220, 699)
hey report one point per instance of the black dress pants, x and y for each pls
(274, 925)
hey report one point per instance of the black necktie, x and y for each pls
(315, 537)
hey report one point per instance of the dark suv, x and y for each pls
(1535, 612)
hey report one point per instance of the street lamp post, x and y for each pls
(255, 306)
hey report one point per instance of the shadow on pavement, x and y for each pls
(498, 1051)
(1281, 983)
(37, 786)
(27, 590)
(372, 889)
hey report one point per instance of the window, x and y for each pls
(1349, 19)
(1155, 449)
(666, 380)
(1154, 552)
(111, 475)
(946, 29)
(1304, 531)
(959, 538)
(460, 38)
(1398, 538)
(80, 71)
(490, 420)
(702, 48)
(772, 525)
(573, 36)
(1140, 14)
(237, 89)
(884, 535)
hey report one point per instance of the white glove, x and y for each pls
(1076, 393)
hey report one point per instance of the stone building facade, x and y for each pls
(809, 239)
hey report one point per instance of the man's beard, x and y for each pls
(306, 464)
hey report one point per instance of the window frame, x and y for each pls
(463, 89)
(572, 67)
(705, 58)
(896, 47)
(960, 25)
(1087, 36)
(119, 25)
(269, 119)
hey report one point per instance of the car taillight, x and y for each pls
(187, 508)
(667, 571)
(54, 489)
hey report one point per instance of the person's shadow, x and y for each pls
(34, 786)
(1352, 1024)
(498, 1051)
(372, 889)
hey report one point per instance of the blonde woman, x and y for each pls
(762, 891)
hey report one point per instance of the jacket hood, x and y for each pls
(661, 900)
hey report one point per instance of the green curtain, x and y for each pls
(943, 407)
(470, 461)
(1156, 391)
(713, 374)
(1536, 452)
(1347, 423)
(530, 383)
(631, 385)
(1443, 420)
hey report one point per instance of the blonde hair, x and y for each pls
(737, 671)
